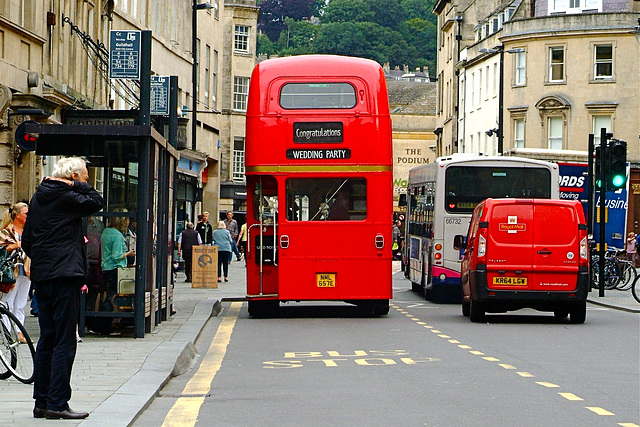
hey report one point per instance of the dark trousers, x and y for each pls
(59, 305)
(224, 257)
(187, 266)
(235, 250)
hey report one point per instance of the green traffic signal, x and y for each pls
(617, 151)
(618, 181)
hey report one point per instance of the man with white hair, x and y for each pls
(54, 239)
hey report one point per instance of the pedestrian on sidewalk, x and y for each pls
(205, 230)
(242, 241)
(186, 241)
(222, 239)
(11, 236)
(232, 226)
(54, 239)
(632, 249)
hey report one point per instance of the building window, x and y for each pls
(240, 93)
(241, 40)
(555, 132)
(518, 133)
(480, 82)
(603, 61)
(599, 122)
(216, 9)
(214, 89)
(238, 159)
(521, 68)
(207, 76)
(556, 64)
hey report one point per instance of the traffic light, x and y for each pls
(617, 159)
(26, 141)
(598, 166)
(600, 177)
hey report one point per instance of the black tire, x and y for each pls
(476, 311)
(415, 287)
(263, 308)
(578, 313)
(381, 308)
(629, 274)
(466, 308)
(16, 356)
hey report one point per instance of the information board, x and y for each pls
(204, 267)
(124, 54)
(160, 95)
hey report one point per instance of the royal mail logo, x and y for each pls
(512, 227)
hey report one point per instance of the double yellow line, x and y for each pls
(186, 409)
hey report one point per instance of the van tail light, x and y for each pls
(584, 251)
(482, 246)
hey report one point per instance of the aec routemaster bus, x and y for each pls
(318, 165)
(441, 197)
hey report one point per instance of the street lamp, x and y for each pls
(194, 69)
(500, 130)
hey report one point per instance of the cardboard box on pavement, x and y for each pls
(204, 267)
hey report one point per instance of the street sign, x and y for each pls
(160, 95)
(124, 54)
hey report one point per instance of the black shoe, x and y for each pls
(238, 258)
(67, 414)
(39, 412)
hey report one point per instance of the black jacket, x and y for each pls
(206, 232)
(53, 236)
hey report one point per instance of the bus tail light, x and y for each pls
(379, 241)
(437, 253)
(284, 241)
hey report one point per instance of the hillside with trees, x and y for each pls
(398, 32)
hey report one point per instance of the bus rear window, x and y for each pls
(312, 96)
(466, 186)
(326, 199)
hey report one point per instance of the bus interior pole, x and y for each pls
(604, 142)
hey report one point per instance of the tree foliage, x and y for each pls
(398, 32)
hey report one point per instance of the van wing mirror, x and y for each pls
(459, 242)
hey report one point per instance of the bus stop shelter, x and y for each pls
(133, 167)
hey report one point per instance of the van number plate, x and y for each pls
(326, 280)
(514, 281)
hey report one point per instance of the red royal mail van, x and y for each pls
(525, 253)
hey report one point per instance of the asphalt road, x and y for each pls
(422, 365)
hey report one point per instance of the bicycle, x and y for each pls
(15, 354)
(635, 288)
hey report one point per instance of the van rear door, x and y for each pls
(556, 247)
(509, 245)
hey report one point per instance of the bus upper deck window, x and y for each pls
(310, 96)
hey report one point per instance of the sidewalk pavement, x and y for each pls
(115, 378)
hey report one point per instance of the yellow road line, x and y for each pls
(525, 374)
(186, 409)
(507, 366)
(454, 341)
(464, 346)
(443, 336)
(491, 359)
(547, 385)
(477, 353)
(599, 411)
(570, 396)
(628, 424)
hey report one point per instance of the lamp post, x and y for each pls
(500, 50)
(194, 69)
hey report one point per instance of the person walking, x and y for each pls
(232, 226)
(187, 240)
(11, 236)
(632, 250)
(205, 230)
(222, 239)
(53, 238)
(242, 240)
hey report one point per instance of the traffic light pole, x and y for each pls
(604, 141)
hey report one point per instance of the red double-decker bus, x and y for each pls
(319, 183)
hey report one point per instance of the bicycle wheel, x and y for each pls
(635, 288)
(629, 274)
(16, 356)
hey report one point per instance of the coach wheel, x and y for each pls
(466, 308)
(476, 311)
(578, 313)
(263, 308)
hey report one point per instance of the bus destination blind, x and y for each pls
(318, 154)
(317, 132)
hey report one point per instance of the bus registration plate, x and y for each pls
(513, 281)
(326, 280)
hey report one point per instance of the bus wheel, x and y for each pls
(263, 308)
(381, 308)
(560, 314)
(476, 311)
(466, 308)
(415, 287)
(578, 313)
